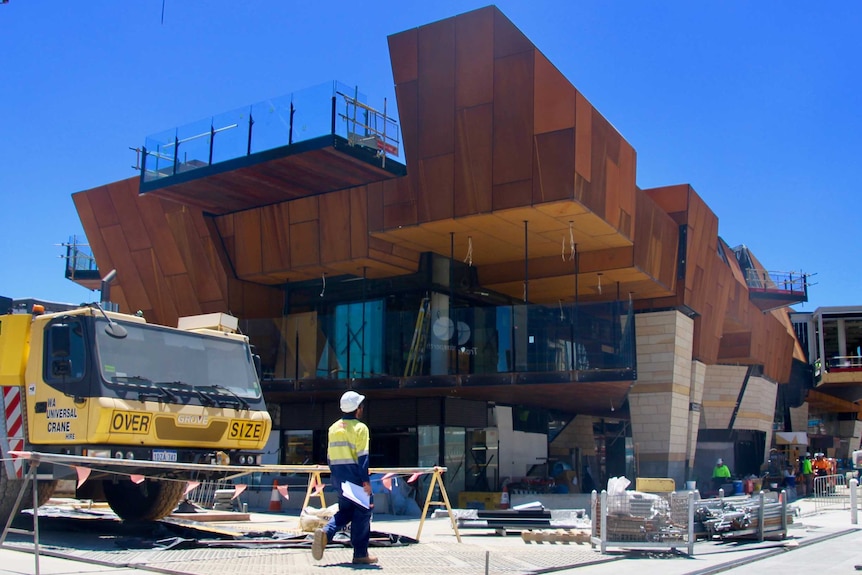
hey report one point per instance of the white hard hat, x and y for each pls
(720, 461)
(350, 401)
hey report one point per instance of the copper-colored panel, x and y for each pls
(513, 194)
(335, 227)
(437, 88)
(152, 213)
(583, 136)
(403, 56)
(124, 197)
(474, 58)
(304, 210)
(91, 230)
(594, 196)
(359, 222)
(396, 192)
(473, 160)
(183, 292)
(513, 119)
(119, 252)
(436, 196)
(305, 244)
(194, 254)
(399, 215)
(158, 300)
(275, 237)
(554, 166)
(103, 207)
(508, 39)
(554, 108)
(408, 112)
(374, 200)
(247, 240)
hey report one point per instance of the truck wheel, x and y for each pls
(146, 501)
(9, 489)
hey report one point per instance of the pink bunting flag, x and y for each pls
(83, 474)
(136, 479)
(414, 477)
(21, 454)
(237, 489)
(282, 490)
(191, 486)
(318, 487)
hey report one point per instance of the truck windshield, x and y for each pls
(151, 357)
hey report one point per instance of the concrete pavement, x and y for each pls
(825, 543)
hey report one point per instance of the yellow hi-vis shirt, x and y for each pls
(348, 451)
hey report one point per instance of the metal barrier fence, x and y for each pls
(643, 520)
(830, 492)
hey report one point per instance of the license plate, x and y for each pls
(165, 455)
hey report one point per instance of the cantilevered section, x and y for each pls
(319, 140)
(770, 290)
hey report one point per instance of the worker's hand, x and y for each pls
(367, 487)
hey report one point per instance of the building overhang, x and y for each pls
(324, 164)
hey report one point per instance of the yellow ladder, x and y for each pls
(416, 355)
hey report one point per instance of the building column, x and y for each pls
(661, 398)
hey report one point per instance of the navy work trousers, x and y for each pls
(360, 525)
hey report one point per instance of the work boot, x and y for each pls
(318, 546)
(367, 560)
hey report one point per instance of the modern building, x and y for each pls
(507, 297)
(832, 340)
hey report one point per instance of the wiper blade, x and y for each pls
(158, 392)
(233, 396)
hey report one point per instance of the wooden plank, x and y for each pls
(103, 207)
(554, 166)
(120, 254)
(513, 119)
(201, 274)
(437, 89)
(408, 111)
(92, 230)
(152, 212)
(554, 107)
(474, 59)
(473, 160)
(374, 203)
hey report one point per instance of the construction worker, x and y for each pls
(348, 465)
(807, 473)
(720, 474)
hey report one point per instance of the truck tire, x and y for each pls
(9, 489)
(147, 501)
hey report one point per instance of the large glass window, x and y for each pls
(217, 370)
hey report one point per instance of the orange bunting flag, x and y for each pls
(83, 474)
(414, 477)
(237, 489)
(190, 487)
(136, 479)
(282, 490)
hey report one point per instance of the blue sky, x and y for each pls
(755, 104)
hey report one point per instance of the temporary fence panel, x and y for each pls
(830, 492)
(633, 519)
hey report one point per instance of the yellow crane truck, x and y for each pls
(97, 383)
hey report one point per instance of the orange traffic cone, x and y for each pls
(504, 498)
(275, 498)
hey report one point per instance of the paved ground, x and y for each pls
(826, 543)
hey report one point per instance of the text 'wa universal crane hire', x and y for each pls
(102, 384)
